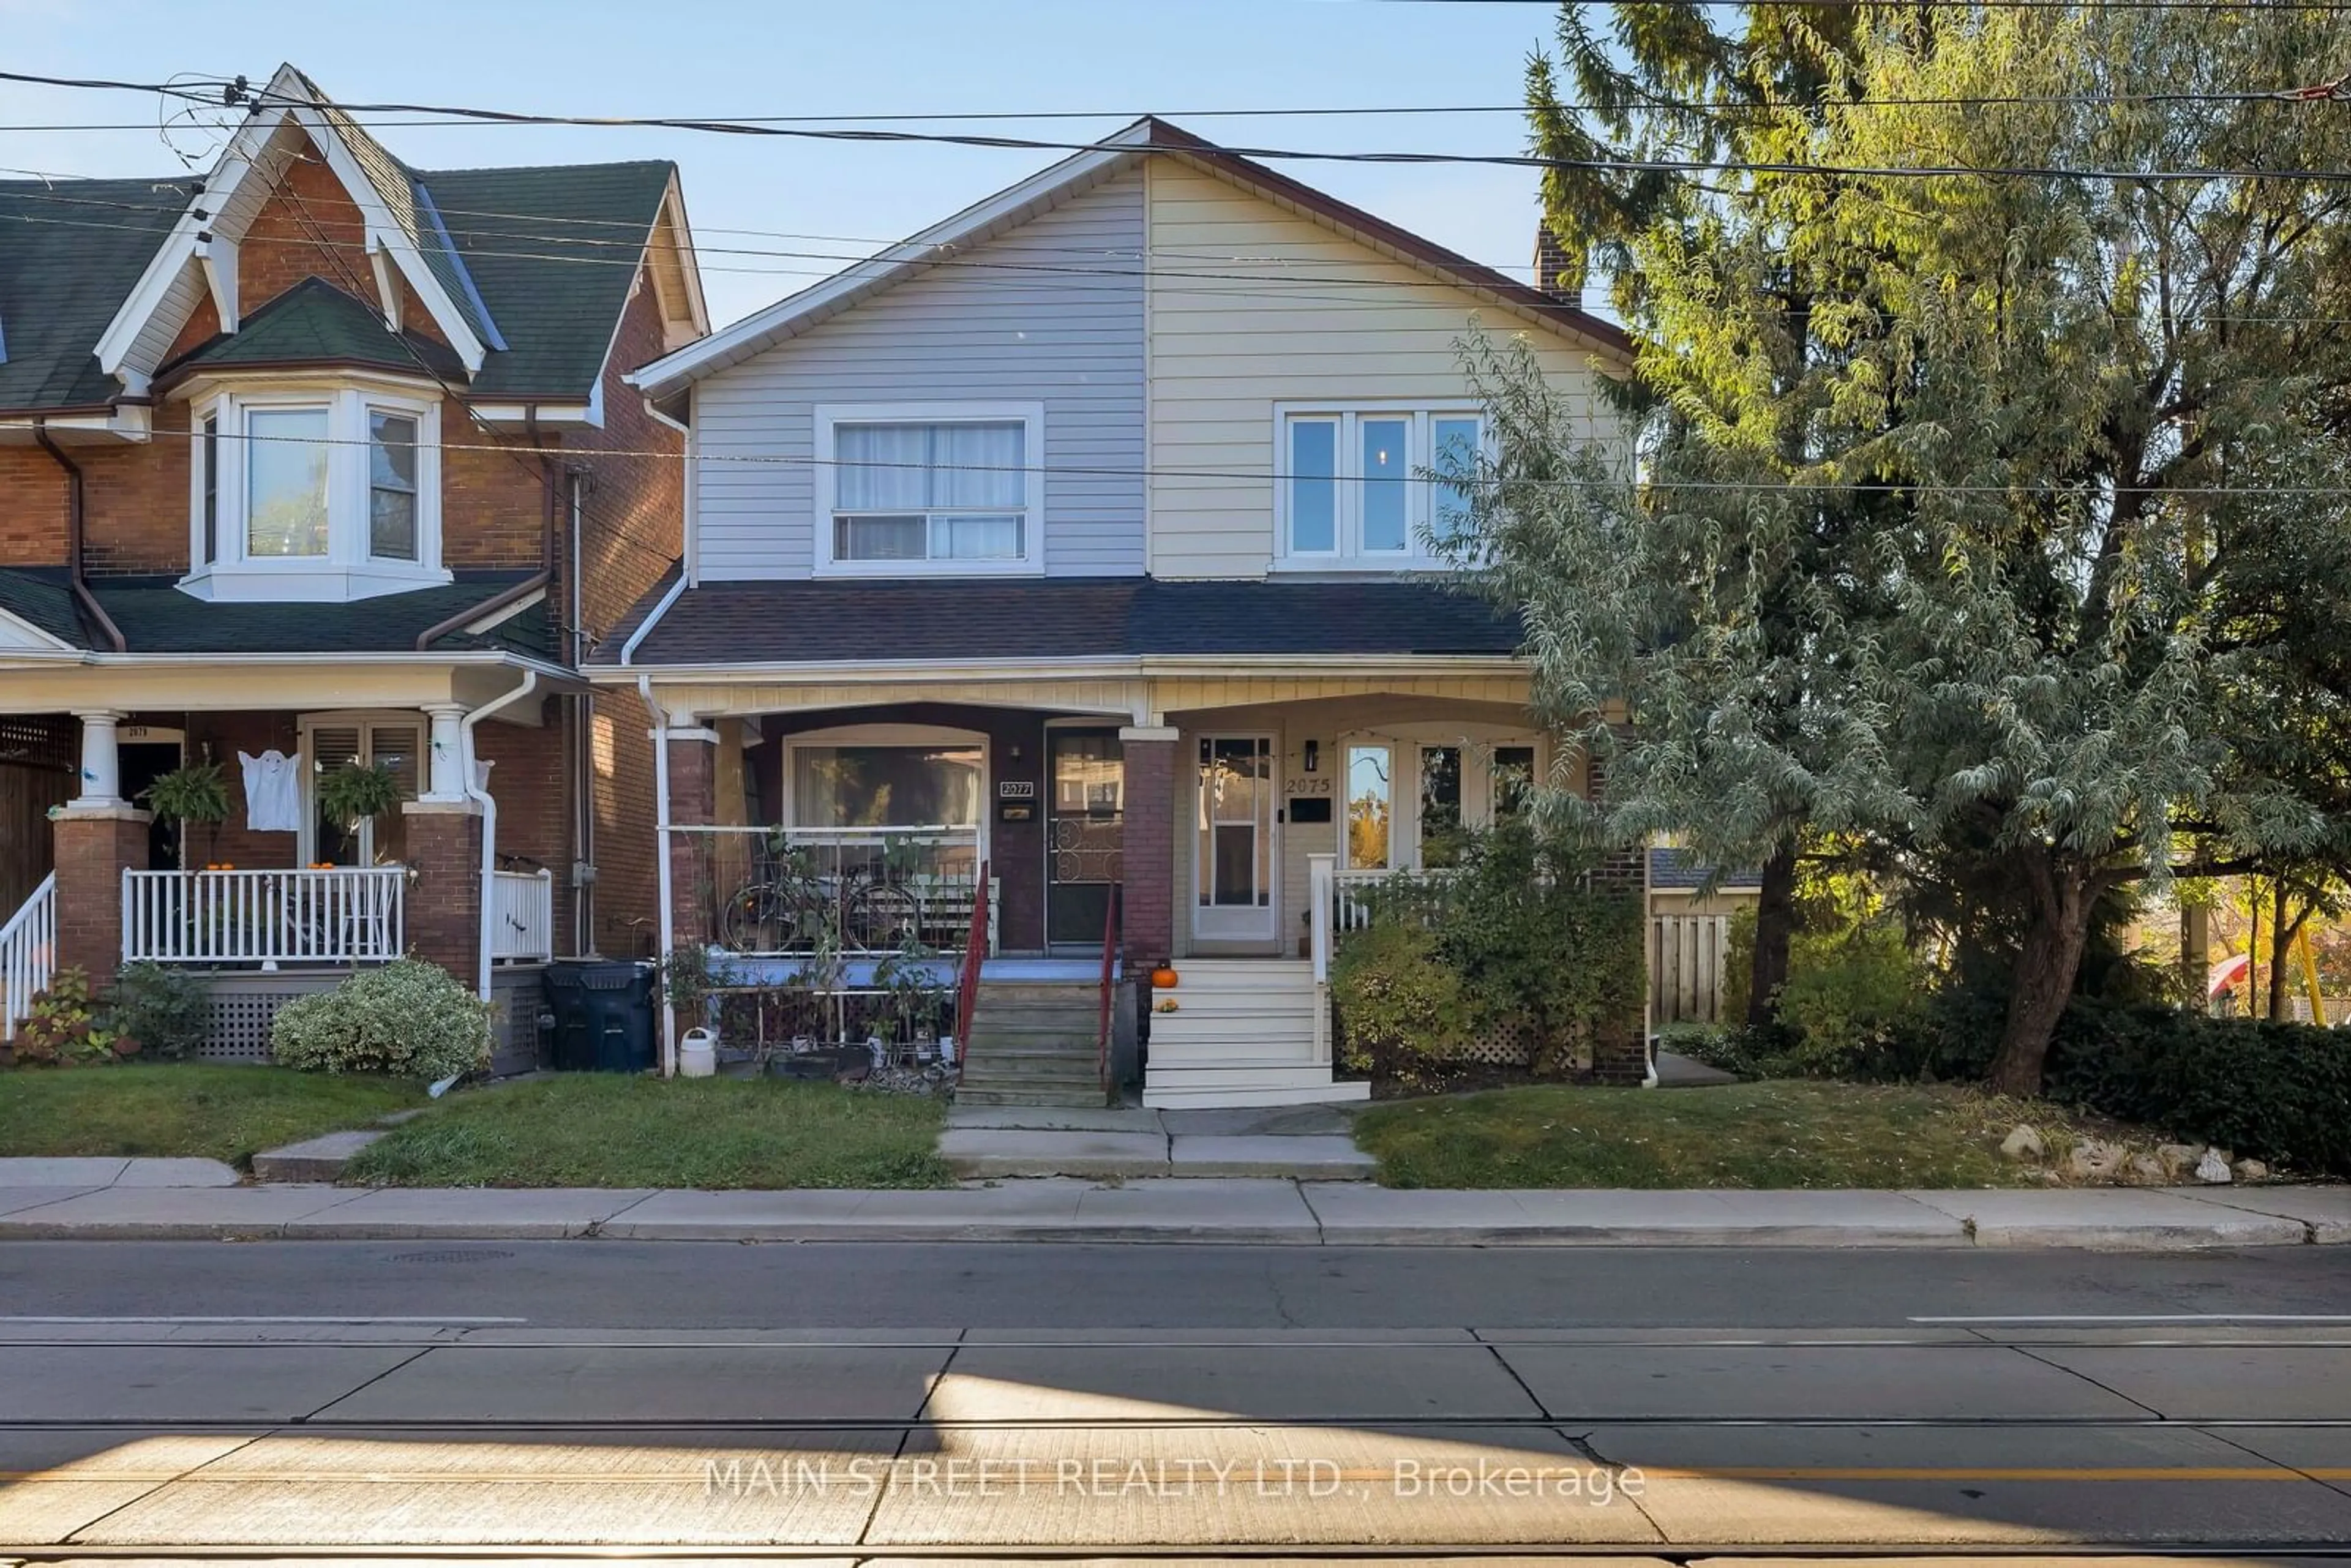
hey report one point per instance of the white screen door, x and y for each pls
(1234, 858)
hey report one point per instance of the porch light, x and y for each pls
(1312, 756)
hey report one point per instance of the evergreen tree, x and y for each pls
(1969, 478)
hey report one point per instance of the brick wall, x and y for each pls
(1149, 908)
(91, 850)
(32, 508)
(444, 894)
(534, 815)
(692, 775)
(228, 734)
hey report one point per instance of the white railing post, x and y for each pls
(28, 954)
(1322, 892)
(344, 915)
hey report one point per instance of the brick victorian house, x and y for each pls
(317, 459)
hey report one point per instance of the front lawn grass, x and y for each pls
(1772, 1134)
(188, 1109)
(599, 1130)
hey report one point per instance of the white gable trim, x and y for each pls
(795, 314)
(240, 162)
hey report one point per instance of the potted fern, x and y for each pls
(196, 792)
(357, 792)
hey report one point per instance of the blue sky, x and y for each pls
(848, 57)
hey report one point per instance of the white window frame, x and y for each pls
(1405, 743)
(1031, 415)
(1420, 496)
(349, 569)
(910, 736)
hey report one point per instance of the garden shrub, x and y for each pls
(66, 1028)
(407, 1019)
(2278, 1092)
(168, 1012)
(1852, 1000)
(1402, 1008)
(1532, 941)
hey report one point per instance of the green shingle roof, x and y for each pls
(69, 253)
(156, 617)
(538, 260)
(314, 322)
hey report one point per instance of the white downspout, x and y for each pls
(481, 797)
(660, 854)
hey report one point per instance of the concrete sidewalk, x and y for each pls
(116, 1199)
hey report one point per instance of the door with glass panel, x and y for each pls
(1235, 862)
(1085, 833)
(394, 748)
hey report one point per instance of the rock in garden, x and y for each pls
(2212, 1169)
(2023, 1144)
(2146, 1170)
(2093, 1159)
(2250, 1169)
(2179, 1159)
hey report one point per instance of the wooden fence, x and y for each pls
(1686, 956)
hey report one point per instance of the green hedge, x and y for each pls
(2277, 1091)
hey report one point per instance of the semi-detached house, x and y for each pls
(1064, 572)
(317, 460)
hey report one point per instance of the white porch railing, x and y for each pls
(522, 916)
(347, 914)
(28, 954)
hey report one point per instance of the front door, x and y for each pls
(1235, 859)
(1084, 832)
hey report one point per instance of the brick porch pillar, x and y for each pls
(1147, 847)
(97, 837)
(693, 801)
(1620, 1054)
(444, 887)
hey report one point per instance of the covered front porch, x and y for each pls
(1222, 824)
(278, 887)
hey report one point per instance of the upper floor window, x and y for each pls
(1356, 490)
(332, 494)
(948, 489)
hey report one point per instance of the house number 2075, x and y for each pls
(1308, 786)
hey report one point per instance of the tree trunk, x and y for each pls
(2280, 938)
(2043, 980)
(1775, 922)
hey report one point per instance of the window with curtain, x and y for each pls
(886, 786)
(932, 491)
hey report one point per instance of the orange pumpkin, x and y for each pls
(1163, 978)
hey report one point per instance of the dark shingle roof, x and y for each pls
(1058, 618)
(42, 596)
(69, 253)
(553, 252)
(1679, 871)
(540, 261)
(314, 322)
(155, 617)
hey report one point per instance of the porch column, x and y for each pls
(101, 771)
(1148, 846)
(97, 836)
(693, 802)
(444, 778)
(443, 910)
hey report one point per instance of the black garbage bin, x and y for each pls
(603, 1014)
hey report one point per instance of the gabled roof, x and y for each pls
(1146, 137)
(525, 271)
(315, 323)
(775, 621)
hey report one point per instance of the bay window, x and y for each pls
(946, 488)
(331, 494)
(1356, 490)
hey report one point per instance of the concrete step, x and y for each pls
(971, 1152)
(1044, 1097)
(1238, 1074)
(1164, 1098)
(321, 1158)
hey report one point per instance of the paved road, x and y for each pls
(893, 1400)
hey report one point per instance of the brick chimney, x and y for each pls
(1555, 273)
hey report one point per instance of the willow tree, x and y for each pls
(2070, 309)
